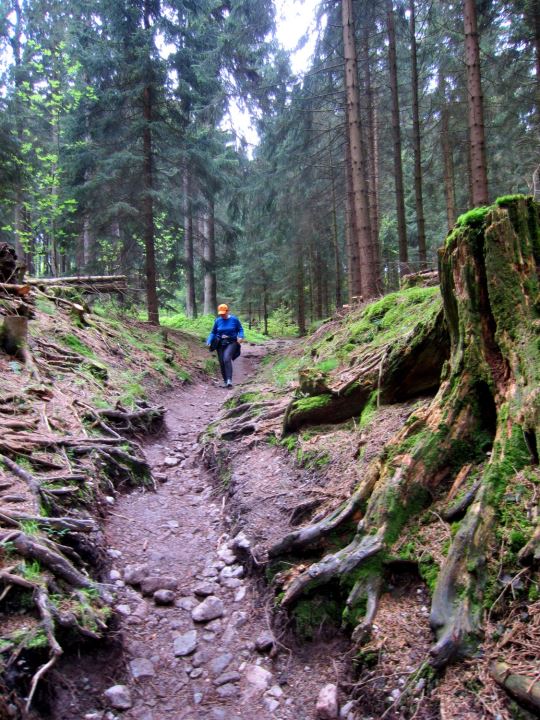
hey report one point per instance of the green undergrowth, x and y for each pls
(202, 326)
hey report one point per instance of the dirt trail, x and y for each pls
(176, 539)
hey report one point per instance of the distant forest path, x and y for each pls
(193, 636)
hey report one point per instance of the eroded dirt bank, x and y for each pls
(206, 652)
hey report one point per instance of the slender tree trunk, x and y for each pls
(209, 244)
(477, 141)
(147, 199)
(319, 271)
(191, 302)
(359, 170)
(448, 160)
(420, 222)
(373, 176)
(335, 240)
(265, 308)
(396, 135)
(353, 261)
(300, 298)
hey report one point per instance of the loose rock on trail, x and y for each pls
(194, 633)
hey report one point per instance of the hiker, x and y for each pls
(226, 336)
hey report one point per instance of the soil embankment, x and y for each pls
(194, 633)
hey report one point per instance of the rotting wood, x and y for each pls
(525, 689)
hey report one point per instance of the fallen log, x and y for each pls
(526, 690)
(86, 283)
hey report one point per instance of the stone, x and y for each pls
(124, 610)
(231, 583)
(134, 574)
(115, 575)
(152, 583)
(264, 642)
(205, 588)
(346, 710)
(141, 611)
(227, 555)
(201, 656)
(115, 554)
(218, 665)
(240, 594)
(240, 542)
(327, 703)
(258, 680)
(164, 597)
(197, 698)
(141, 668)
(210, 609)
(228, 677)
(186, 603)
(231, 571)
(196, 673)
(275, 691)
(239, 618)
(93, 716)
(229, 690)
(118, 697)
(185, 644)
(209, 636)
(171, 461)
(219, 714)
(271, 703)
(209, 572)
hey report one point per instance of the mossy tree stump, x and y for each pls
(485, 416)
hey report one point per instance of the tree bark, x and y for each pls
(209, 256)
(448, 160)
(372, 150)
(191, 301)
(359, 170)
(420, 222)
(300, 297)
(396, 135)
(147, 199)
(475, 102)
(353, 261)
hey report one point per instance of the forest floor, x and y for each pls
(177, 539)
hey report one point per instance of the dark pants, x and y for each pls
(225, 355)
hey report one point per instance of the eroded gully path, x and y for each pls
(196, 657)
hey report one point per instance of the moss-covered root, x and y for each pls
(456, 609)
(338, 564)
(313, 535)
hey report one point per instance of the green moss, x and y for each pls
(77, 345)
(400, 509)
(474, 217)
(311, 615)
(307, 404)
(370, 410)
(327, 365)
(429, 572)
(505, 200)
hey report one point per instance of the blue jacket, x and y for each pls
(226, 327)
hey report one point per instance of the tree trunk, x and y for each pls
(300, 297)
(359, 170)
(448, 160)
(420, 222)
(372, 153)
(475, 103)
(209, 256)
(334, 234)
(396, 135)
(353, 261)
(147, 199)
(191, 302)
